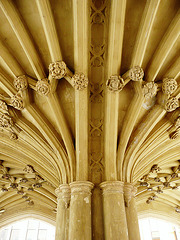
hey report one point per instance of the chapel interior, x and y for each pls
(90, 114)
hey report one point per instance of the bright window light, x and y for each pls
(156, 229)
(28, 229)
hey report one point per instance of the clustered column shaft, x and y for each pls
(73, 219)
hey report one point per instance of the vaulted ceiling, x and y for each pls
(89, 90)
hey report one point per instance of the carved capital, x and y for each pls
(21, 82)
(81, 187)
(128, 188)
(6, 121)
(57, 69)
(17, 102)
(136, 73)
(150, 89)
(112, 187)
(79, 81)
(64, 192)
(169, 85)
(43, 86)
(171, 104)
(115, 83)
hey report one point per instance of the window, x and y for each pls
(29, 229)
(155, 229)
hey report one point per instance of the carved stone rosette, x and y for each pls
(150, 90)
(171, 104)
(136, 73)
(169, 85)
(79, 81)
(43, 87)
(115, 83)
(57, 69)
(17, 102)
(21, 82)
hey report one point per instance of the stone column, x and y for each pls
(62, 217)
(80, 210)
(131, 211)
(115, 225)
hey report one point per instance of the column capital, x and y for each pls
(129, 192)
(110, 187)
(81, 187)
(64, 192)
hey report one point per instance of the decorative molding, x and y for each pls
(43, 87)
(17, 102)
(21, 82)
(111, 187)
(169, 86)
(171, 104)
(97, 50)
(150, 89)
(81, 187)
(136, 73)
(79, 81)
(115, 83)
(57, 69)
(64, 192)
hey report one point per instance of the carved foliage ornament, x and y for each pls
(171, 104)
(115, 83)
(79, 81)
(21, 83)
(29, 169)
(3, 106)
(150, 90)
(136, 73)
(5, 121)
(57, 69)
(43, 86)
(169, 86)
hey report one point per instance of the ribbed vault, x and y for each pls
(55, 129)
